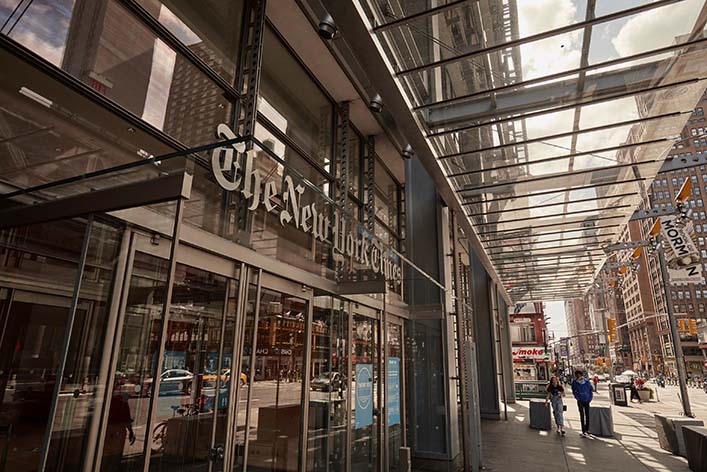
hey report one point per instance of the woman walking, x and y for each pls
(555, 392)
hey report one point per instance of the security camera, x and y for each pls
(408, 152)
(376, 104)
(327, 27)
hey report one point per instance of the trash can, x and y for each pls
(618, 394)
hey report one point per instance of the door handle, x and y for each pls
(216, 453)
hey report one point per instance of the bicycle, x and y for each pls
(159, 433)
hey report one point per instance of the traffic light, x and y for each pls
(611, 325)
(682, 325)
(693, 327)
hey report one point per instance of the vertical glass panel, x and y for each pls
(185, 403)
(293, 102)
(127, 427)
(211, 31)
(82, 389)
(326, 441)
(246, 372)
(394, 393)
(276, 405)
(364, 421)
(32, 328)
(103, 45)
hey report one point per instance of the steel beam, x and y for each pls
(554, 215)
(545, 205)
(423, 14)
(539, 36)
(652, 213)
(598, 218)
(551, 192)
(147, 192)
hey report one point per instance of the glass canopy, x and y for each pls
(549, 117)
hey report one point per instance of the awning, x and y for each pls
(549, 118)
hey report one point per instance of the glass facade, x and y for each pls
(124, 349)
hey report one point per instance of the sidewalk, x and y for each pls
(512, 445)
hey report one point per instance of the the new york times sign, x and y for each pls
(246, 178)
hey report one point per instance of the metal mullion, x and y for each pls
(567, 73)
(539, 235)
(550, 137)
(162, 32)
(554, 215)
(287, 141)
(306, 374)
(545, 205)
(219, 364)
(542, 257)
(534, 250)
(233, 396)
(491, 247)
(557, 224)
(387, 228)
(551, 262)
(549, 192)
(593, 153)
(558, 264)
(540, 178)
(113, 325)
(253, 347)
(68, 330)
(515, 115)
(115, 348)
(546, 277)
(166, 307)
(349, 379)
(415, 16)
(539, 36)
(525, 273)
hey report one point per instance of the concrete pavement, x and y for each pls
(512, 445)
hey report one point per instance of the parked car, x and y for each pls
(172, 381)
(328, 382)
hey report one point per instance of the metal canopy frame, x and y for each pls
(482, 122)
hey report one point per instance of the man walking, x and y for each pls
(582, 391)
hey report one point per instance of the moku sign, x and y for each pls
(528, 352)
(322, 225)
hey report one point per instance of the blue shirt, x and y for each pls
(582, 390)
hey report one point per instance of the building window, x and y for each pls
(292, 104)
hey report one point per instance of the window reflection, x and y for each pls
(364, 395)
(106, 47)
(328, 397)
(273, 434)
(293, 102)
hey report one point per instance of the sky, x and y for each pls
(556, 312)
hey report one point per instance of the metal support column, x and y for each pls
(370, 185)
(342, 183)
(245, 111)
(675, 337)
(166, 307)
(461, 330)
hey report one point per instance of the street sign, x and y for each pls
(682, 255)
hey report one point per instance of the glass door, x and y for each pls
(365, 419)
(394, 393)
(274, 364)
(327, 437)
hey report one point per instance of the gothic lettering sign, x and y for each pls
(331, 226)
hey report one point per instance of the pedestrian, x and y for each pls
(595, 381)
(555, 392)
(582, 391)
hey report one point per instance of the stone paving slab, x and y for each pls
(512, 446)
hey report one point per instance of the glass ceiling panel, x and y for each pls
(549, 140)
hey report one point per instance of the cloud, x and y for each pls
(554, 54)
(656, 28)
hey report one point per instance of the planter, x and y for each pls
(644, 395)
